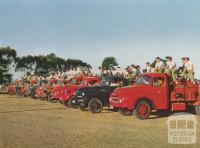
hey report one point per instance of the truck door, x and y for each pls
(160, 92)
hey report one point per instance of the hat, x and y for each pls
(168, 57)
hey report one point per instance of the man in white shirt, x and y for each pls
(170, 68)
(159, 67)
(148, 67)
(188, 72)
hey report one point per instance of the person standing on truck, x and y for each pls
(188, 72)
(133, 69)
(159, 67)
(148, 67)
(170, 68)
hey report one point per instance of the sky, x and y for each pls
(133, 31)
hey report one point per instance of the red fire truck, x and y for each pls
(155, 92)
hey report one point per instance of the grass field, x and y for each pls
(34, 123)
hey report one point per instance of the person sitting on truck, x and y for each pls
(159, 67)
(170, 68)
(133, 69)
(146, 80)
(188, 72)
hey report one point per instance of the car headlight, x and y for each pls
(76, 92)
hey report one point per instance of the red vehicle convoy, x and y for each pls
(45, 89)
(154, 91)
(67, 95)
(59, 90)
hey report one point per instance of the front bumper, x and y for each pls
(80, 100)
(65, 97)
(117, 102)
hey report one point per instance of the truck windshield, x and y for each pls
(107, 81)
(84, 82)
(59, 82)
(143, 80)
(73, 81)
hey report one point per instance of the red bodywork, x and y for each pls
(10, 89)
(167, 96)
(59, 90)
(25, 86)
(69, 90)
(45, 89)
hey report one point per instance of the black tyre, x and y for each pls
(33, 96)
(72, 103)
(95, 105)
(197, 110)
(51, 99)
(61, 102)
(115, 109)
(125, 112)
(65, 103)
(143, 110)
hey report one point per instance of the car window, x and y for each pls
(91, 83)
(108, 81)
(72, 81)
(143, 80)
(105, 81)
(116, 82)
(158, 82)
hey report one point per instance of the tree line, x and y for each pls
(39, 64)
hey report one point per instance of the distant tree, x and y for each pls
(7, 58)
(25, 63)
(69, 63)
(42, 65)
(109, 62)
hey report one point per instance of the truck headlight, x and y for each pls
(83, 94)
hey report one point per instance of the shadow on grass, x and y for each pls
(159, 115)
(33, 110)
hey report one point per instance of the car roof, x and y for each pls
(92, 78)
(154, 74)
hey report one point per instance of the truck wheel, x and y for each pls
(125, 112)
(72, 103)
(115, 109)
(50, 99)
(197, 110)
(143, 110)
(65, 103)
(95, 105)
(33, 96)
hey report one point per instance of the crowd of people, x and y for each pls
(168, 66)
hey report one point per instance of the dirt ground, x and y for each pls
(34, 123)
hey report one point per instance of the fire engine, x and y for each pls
(156, 92)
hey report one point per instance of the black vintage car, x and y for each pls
(97, 97)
